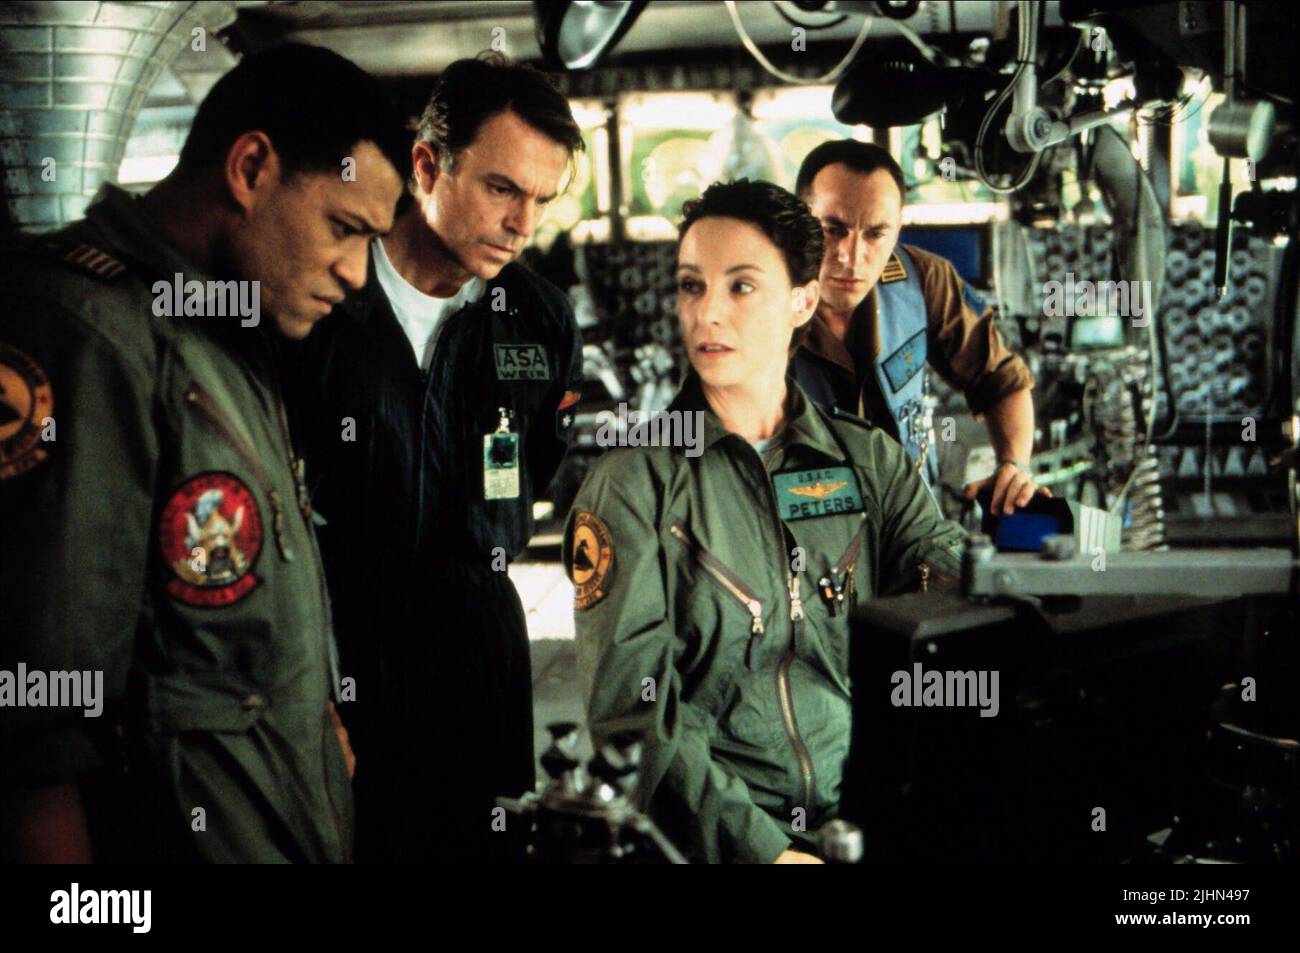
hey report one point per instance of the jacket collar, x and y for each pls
(805, 425)
(820, 342)
(360, 305)
(119, 217)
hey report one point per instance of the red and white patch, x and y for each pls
(565, 412)
(211, 534)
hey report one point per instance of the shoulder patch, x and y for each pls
(591, 560)
(894, 270)
(26, 405)
(565, 412)
(210, 534)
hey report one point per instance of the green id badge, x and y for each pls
(501, 462)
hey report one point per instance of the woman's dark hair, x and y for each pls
(472, 91)
(314, 105)
(778, 214)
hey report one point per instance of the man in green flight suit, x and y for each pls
(714, 581)
(158, 538)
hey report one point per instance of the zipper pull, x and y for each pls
(277, 526)
(300, 484)
(796, 604)
(834, 588)
(830, 594)
(924, 569)
(755, 632)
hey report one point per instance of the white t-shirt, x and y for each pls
(421, 316)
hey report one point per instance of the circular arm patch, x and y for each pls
(591, 559)
(210, 534)
(26, 403)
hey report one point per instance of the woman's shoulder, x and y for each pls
(872, 448)
(631, 470)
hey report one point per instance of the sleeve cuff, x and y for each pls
(1012, 375)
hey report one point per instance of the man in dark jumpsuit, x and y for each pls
(156, 530)
(436, 407)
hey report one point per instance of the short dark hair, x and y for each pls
(314, 105)
(781, 216)
(862, 157)
(472, 91)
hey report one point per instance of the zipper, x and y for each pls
(198, 398)
(730, 582)
(785, 698)
(297, 466)
(784, 690)
(837, 585)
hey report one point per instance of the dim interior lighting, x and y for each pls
(576, 34)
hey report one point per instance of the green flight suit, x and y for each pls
(687, 632)
(156, 530)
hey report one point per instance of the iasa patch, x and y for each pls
(26, 408)
(829, 491)
(591, 560)
(522, 362)
(210, 534)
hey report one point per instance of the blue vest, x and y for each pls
(901, 327)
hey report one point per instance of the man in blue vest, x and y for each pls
(887, 309)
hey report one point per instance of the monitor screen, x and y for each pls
(966, 246)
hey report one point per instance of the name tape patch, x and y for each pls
(807, 494)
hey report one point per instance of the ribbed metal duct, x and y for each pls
(72, 78)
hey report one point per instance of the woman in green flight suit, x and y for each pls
(714, 581)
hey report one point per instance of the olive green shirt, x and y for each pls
(690, 635)
(155, 531)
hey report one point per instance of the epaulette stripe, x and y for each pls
(91, 259)
(95, 261)
(894, 270)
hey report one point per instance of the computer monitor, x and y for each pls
(968, 247)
